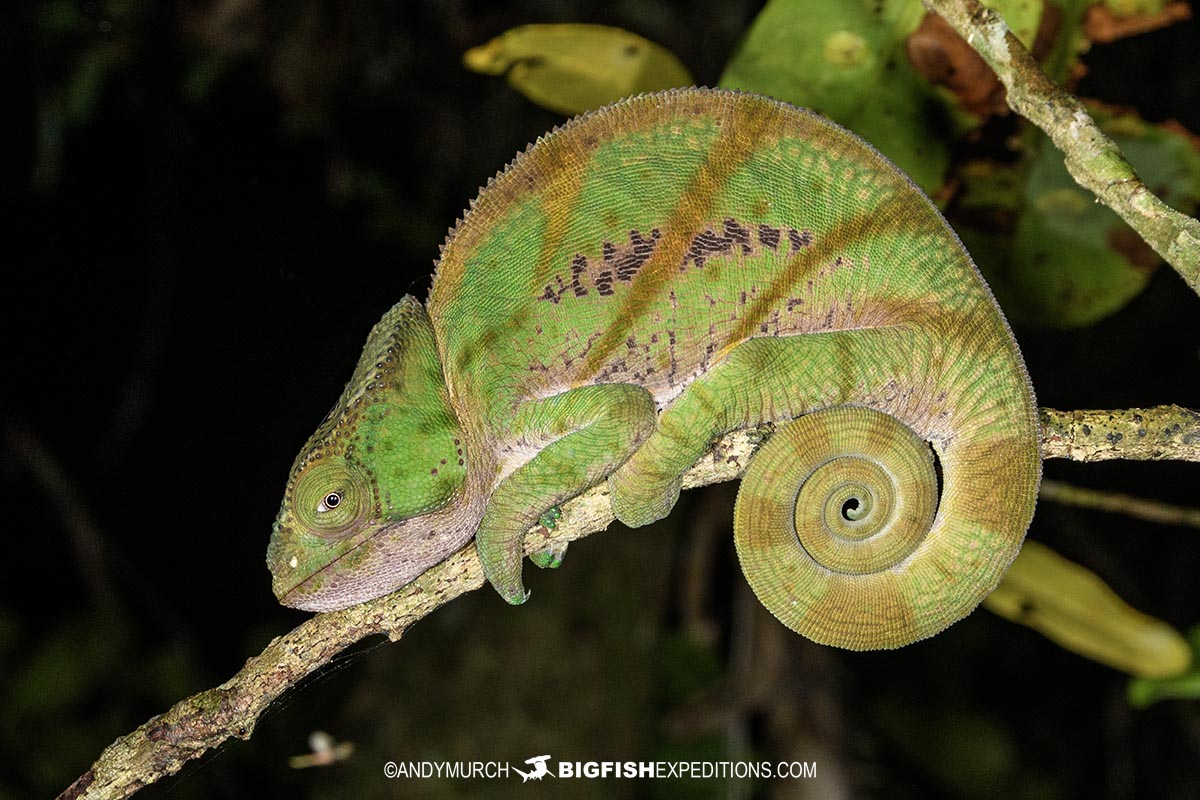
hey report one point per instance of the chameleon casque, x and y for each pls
(640, 281)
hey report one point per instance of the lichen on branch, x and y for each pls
(1162, 433)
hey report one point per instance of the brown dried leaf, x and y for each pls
(1101, 24)
(945, 59)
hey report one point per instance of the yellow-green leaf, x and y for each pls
(572, 68)
(1146, 691)
(1073, 607)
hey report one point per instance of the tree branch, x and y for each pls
(1118, 503)
(1094, 160)
(163, 744)
(1162, 433)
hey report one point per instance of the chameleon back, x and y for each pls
(642, 242)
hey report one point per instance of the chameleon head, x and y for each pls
(370, 502)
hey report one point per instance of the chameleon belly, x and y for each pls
(679, 265)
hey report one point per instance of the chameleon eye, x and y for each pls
(329, 498)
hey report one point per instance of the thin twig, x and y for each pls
(87, 539)
(162, 745)
(1117, 503)
(1094, 160)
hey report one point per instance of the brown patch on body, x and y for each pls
(738, 124)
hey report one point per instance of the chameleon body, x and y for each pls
(645, 278)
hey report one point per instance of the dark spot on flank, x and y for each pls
(631, 259)
(604, 282)
(737, 234)
(554, 294)
(578, 267)
(768, 236)
(1087, 430)
(703, 246)
(623, 261)
(1113, 438)
(799, 239)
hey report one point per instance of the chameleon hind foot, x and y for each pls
(551, 557)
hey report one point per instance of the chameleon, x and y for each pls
(635, 284)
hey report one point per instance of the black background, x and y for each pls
(188, 283)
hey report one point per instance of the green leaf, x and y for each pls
(847, 60)
(1070, 261)
(1021, 16)
(573, 68)
(1070, 42)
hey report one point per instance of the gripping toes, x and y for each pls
(593, 430)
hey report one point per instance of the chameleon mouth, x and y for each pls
(314, 593)
(376, 561)
(296, 586)
(294, 598)
(321, 590)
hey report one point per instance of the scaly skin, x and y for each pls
(640, 281)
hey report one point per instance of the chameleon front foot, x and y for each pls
(549, 520)
(551, 557)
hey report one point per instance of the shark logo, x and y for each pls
(539, 770)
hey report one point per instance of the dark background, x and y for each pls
(211, 205)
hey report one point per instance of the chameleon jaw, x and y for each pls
(382, 560)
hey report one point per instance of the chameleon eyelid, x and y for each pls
(324, 505)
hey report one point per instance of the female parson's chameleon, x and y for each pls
(640, 281)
